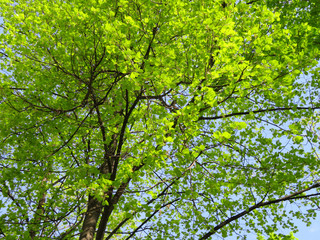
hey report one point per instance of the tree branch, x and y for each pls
(154, 213)
(259, 205)
(257, 111)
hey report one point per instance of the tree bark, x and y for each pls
(91, 219)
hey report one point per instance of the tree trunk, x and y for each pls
(91, 219)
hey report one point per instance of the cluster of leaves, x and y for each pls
(173, 119)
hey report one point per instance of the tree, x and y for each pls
(136, 119)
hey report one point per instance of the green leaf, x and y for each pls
(298, 139)
(226, 135)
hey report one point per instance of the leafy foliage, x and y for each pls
(135, 119)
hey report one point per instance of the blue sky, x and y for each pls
(309, 233)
